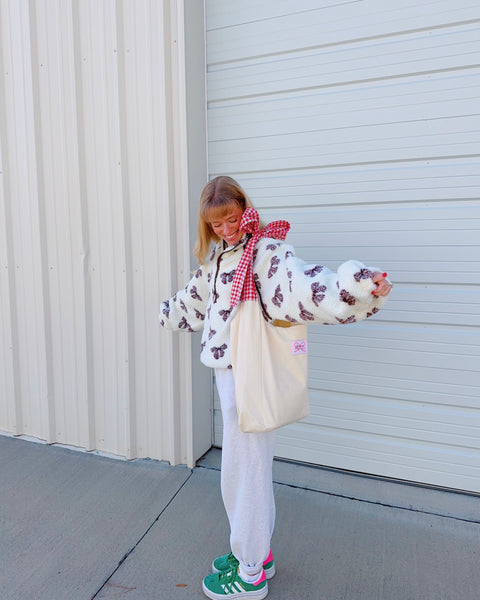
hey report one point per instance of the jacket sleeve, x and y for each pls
(298, 292)
(186, 309)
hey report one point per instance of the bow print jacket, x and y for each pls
(291, 290)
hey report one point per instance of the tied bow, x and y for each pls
(243, 287)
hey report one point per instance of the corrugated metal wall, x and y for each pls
(94, 224)
(359, 123)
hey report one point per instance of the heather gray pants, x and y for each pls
(247, 488)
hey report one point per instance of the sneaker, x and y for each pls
(229, 584)
(228, 562)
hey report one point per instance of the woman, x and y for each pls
(291, 290)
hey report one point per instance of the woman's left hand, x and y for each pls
(384, 287)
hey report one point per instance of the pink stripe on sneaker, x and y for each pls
(261, 580)
(268, 559)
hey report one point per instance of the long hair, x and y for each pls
(218, 197)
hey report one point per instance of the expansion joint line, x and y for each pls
(129, 552)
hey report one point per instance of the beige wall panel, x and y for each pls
(8, 413)
(56, 129)
(33, 412)
(99, 111)
(95, 211)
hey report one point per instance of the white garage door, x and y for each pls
(358, 122)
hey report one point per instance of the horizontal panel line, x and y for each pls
(425, 245)
(443, 286)
(334, 398)
(379, 436)
(388, 204)
(356, 110)
(392, 383)
(377, 225)
(365, 182)
(382, 36)
(344, 342)
(393, 362)
(388, 93)
(430, 398)
(297, 12)
(363, 126)
(360, 164)
(338, 84)
(458, 328)
(426, 368)
(383, 335)
(422, 166)
(389, 331)
(442, 324)
(295, 64)
(402, 430)
(392, 442)
(314, 194)
(364, 410)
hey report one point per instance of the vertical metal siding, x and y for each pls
(94, 213)
(359, 123)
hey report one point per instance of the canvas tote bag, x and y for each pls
(270, 361)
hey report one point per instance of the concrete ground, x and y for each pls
(76, 526)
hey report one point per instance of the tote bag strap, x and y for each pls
(266, 316)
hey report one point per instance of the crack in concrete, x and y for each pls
(139, 541)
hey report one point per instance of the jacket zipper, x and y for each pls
(219, 260)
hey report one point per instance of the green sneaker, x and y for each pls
(229, 584)
(228, 562)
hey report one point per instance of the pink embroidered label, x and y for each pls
(299, 347)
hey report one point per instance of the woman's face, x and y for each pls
(227, 227)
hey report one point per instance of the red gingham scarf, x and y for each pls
(243, 287)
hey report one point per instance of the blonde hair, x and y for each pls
(218, 197)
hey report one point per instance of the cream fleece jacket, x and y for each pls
(291, 290)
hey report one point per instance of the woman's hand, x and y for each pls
(384, 287)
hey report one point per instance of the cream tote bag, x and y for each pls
(270, 361)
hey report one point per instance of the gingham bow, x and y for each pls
(243, 287)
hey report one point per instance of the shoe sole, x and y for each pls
(257, 595)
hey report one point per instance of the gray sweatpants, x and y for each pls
(247, 488)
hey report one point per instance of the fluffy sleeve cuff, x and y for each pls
(354, 277)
